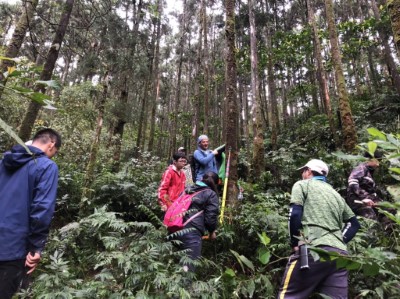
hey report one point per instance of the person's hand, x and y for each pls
(213, 236)
(32, 260)
(215, 152)
(368, 202)
(295, 248)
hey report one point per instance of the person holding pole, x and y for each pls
(204, 158)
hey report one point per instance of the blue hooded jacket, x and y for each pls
(28, 189)
(205, 161)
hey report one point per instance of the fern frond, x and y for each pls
(14, 135)
(149, 213)
(179, 233)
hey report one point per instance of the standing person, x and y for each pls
(361, 191)
(173, 181)
(206, 201)
(320, 211)
(204, 158)
(28, 189)
(187, 169)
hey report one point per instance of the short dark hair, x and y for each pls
(315, 173)
(178, 155)
(46, 135)
(211, 180)
(377, 155)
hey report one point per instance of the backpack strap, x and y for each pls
(193, 217)
(198, 213)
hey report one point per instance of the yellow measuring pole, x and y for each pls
(221, 216)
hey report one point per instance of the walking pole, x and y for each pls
(221, 217)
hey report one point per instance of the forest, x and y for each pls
(128, 82)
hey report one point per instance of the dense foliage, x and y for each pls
(134, 82)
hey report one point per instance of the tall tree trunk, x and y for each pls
(394, 12)
(274, 105)
(140, 131)
(174, 128)
(323, 85)
(386, 49)
(348, 127)
(205, 61)
(231, 101)
(314, 93)
(156, 77)
(258, 141)
(34, 107)
(89, 175)
(17, 39)
(65, 72)
(118, 130)
(374, 74)
(285, 115)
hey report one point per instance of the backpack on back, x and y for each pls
(173, 218)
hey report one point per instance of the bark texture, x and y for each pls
(394, 12)
(348, 127)
(17, 38)
(231, 134)
(258, 141)
(51, 58)
(323, 85)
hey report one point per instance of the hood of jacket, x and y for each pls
(18, 156)
(198, 186)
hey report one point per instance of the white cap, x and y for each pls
(317, 166)
(181, 149)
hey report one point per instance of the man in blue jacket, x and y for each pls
(204, 158)
(28, 189)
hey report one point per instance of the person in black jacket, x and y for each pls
(206, 201)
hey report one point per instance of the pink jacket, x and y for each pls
(172, 185)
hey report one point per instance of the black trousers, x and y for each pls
(11, 275)
(192, 242)
(322, 277)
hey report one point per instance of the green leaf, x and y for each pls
(370, 269)
(21, 89)
(374, 132)
(251, 287)
(393, 140)
(341, 262)
(394, 191)
(49, 83)
(264, 255)
(393, 156)
(395, 170)
(372, 146)
(247, 262)
(264, 238)
(14, 135)
(379, 291)
(15, 73)
(229, 272)
(243, 260)
(344, 156)
(38, 97)
(353, 265)
(7, 58)
(49, 105)
(385, 145)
